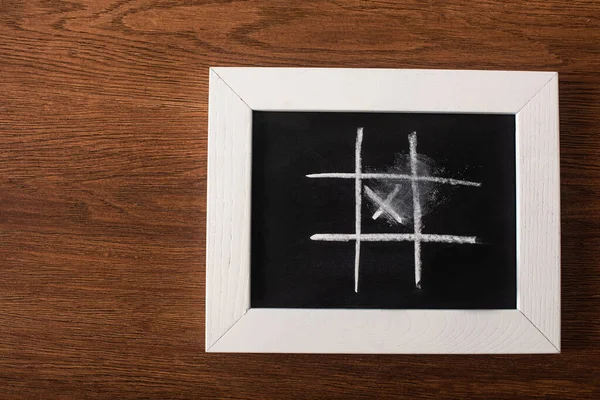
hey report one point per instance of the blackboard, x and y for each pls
(293, 203)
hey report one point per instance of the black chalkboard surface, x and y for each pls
(435, 190)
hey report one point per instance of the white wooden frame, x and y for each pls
(232, 326)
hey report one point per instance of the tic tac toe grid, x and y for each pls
(417, 236)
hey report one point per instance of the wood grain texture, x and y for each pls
(383, 90)
(538, 211)
(228, 209)
(103, 120)
(267, 330)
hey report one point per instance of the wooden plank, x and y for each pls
(228, 209)
(359, 89)
(384, 331)
(538, 212)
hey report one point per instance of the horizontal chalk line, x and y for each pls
(393, 237)
(349, 175)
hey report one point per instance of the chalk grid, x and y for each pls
(417, 237)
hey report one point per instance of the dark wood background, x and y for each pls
(103, 127)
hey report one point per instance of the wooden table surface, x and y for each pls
(103, 133)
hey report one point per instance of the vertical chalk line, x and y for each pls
(358, 201)
(412, 140)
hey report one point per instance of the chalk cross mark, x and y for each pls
(384, 205)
